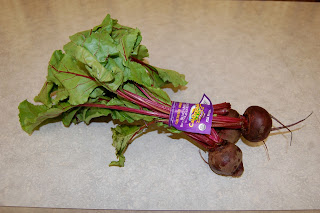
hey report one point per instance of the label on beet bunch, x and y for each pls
(196, 118)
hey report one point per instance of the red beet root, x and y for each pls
(257, 124)
(226, 159)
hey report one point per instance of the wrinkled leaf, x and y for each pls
(67, 117)
(120, 162)
(81, 54)
(106, 25)
(74, 79)
(140, 52)
(127, 44)
(118, 31)
(31, 116)
(97, 92)
(101, 45)
(138, 74)
(172, 76)
(118, 74)
(44, 95)
(95, 113)
(121, 138)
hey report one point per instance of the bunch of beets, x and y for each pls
(102, 72)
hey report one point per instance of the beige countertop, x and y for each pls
(243, 52)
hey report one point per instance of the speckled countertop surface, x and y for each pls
(246, 53)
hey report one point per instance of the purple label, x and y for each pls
(195, 118)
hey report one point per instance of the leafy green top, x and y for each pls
(94, 65)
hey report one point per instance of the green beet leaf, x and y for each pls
(140, 52)
(101, 45)
(98, 41)
(73, 77)
(95, 113)
(44, 95)
(118, 31)
(97, 92)
(68, 116)
(127, 43)
(106, 25)
(121, 138)
(138, 74)
(81, 54)
(171, 76)
(31, 116)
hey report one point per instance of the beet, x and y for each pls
(233, 113)
(226, 159)
(258, 124)
(230, 135)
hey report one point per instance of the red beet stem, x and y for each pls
(159, 101)
(227, 122)
(151, 103)
(214, 136)
(141, 62)
(221, 106)
(226, 119)
(227, 125)
(127, 109)
(205, 138)
(198, 140)
(123, 95)
(142, 128)
(144, 92)
(222, 111)
(206, 141)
